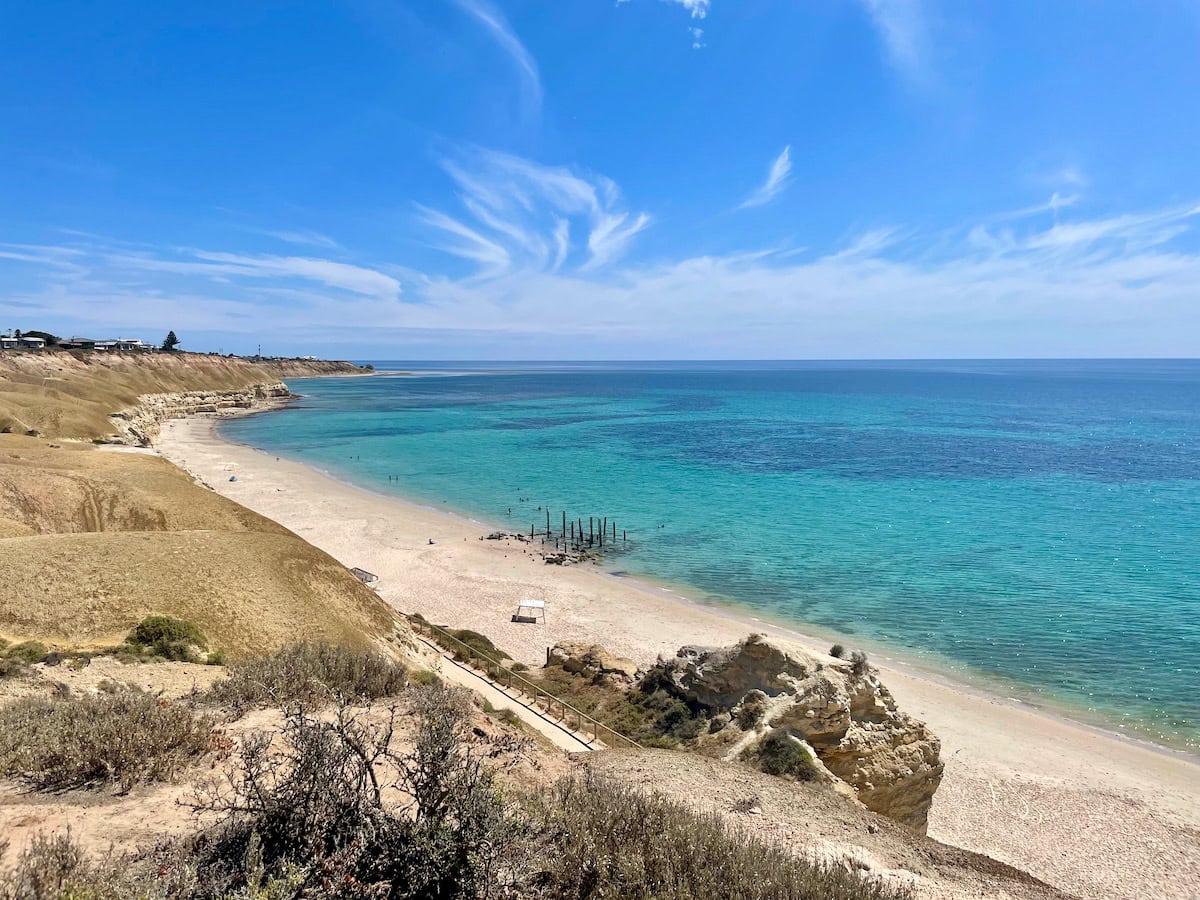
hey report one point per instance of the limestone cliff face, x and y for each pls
(73, 395)
(140, 424)
(840, 709)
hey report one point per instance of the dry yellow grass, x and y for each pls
(92, 541)
(72, 395)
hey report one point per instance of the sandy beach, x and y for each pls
(1089, 812)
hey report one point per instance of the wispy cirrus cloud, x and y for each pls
(778, 176)
(502, 32)
(518, 214)
(903, 29)
(303, 237)
(1117, 284)
(1056, 202)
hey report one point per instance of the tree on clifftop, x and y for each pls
(170, 342)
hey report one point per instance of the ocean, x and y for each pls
(1032, 527)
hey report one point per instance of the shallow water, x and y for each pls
(1035, 524)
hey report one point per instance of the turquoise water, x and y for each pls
(1033, 524)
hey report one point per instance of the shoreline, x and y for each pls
(1040, 791)
(990, 689)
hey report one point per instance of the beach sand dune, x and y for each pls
(1086, 811)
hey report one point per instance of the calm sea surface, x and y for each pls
(1034, 525)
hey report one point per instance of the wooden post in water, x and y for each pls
(564, 534)
(614, 531)
(591, 532)
(547, 521)
(572, 532)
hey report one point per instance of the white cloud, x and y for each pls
(522, 212)
(902, 28)
(1121, 284)
(497, 25)
(302, 236)
(777, 179)
(698, 8)
(1056, 202)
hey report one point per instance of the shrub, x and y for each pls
(123, 738)
(608, 841)
(424, 678)
(315, 822)
(309, 673)
(12, 668)
(859, 666)
(837, 651)
(751, 710)
(480, 643)
(53, 867)
(781, 754)
(27, 652)
(168, 637)
(320, 820)
(648, 714)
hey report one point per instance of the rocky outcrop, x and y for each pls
(594, 662)
(839, 708)
(140, 424)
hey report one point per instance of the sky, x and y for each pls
(606, 179)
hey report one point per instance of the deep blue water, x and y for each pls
(1033, 524)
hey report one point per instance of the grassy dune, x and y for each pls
(72, 395)
(92, 541)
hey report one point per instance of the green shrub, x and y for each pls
(123, 738)
(782, 755)
(12, 668)
(649, 715)
(309, 673)
(28, 652)
(169, 638)
(480, 643)
(423, 678)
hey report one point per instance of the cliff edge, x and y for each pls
(73, 395)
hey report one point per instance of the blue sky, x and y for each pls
(600, 179)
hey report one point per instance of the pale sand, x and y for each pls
(1086, 811)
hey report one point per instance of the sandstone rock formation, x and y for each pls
(594, 662)
(139, 425)
(838, 707)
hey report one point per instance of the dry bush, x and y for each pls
(859, 665)
(336, 812)
(121, 738)
(606, 841)
(50, 867)
(309, 674)
(317, 820)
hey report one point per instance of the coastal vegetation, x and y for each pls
(336, 808)
(120, 738)
(309, 673)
